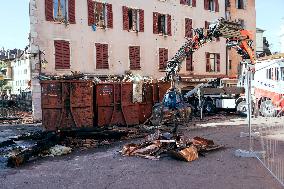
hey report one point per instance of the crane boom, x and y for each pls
(236, 37)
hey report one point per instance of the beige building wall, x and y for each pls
(82, 39)
(248, 15)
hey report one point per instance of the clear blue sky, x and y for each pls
(268, 17)
(14, 28)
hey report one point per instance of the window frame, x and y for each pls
(103, 14)
(162, 30)
(65, 17)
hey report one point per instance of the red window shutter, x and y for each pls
(194, 3)
(218, 62)
(62, 54)
(189, 65)
(188, 27)
(105, 56)
(134, 57)
(71, 12)
(91, 13)
(207, 25)
(137, 57)
(166, 57)
(169, 25)
(141, 20)
(131, 57)
(161, 58)
(125, 18)
(208, 67)
(155, 23)
(216, 6)
(182, 2)
(109, 16)
(49, 10)
(206, 4)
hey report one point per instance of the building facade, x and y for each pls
(21, 74)
(105, 37)
(282, 37)
(242, 11)
(259, 41)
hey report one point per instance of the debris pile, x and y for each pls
(176, 146)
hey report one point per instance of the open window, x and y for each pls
(282, 73)
(133, 19)
(100, 14)
(212, 62)
(240, 4)
(162, 27)
(60, 11)
(211, 5)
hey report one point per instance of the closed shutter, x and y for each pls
(208, 67)
(49, 10)
(101, 56)
(182, 2)
(134, 57)
(161, 58)
(71, 11)
(218, 62)
(189, 65)
(169, 25)
(141, 20)
(206, 4)
(194, 3)
(155, 23)
(216, 5)
(109, 16)
(91, 13)
(166, 56)
(125, 18)
(62, 54)
(188, 28)
(207, 25)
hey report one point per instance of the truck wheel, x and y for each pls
(267, 109)
(242, 108)
(209, 107)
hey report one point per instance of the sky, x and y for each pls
(14, 28)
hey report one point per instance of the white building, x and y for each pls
(21, 74)
(282, 37)
(259, 41)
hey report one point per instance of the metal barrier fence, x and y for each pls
(270, 141)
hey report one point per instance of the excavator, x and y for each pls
(173, 108)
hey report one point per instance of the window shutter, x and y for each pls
(166, 56)
(218, 62)
(189, 65)
(49, 10)
(216, 6)
(207, 55)
(91, 13)
(206, 4)
(62, 54)
(188, 27)
(141, 20)
(125, 18)
(182, 2)
(161, 58)
(169, 25)
(137, 57)
(99, 56)
(109, 16)
(71, 12)
(194, 3)
(134, 57)
(207, 25)
(155, 23)
(105, 56)
(131, 57)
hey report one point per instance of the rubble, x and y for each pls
(166, 143)
(59, 150)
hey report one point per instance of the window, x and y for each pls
(212, 5)
(188, 28)
(189, 63)
(212, 62)
(162, 24)
(188, 2)
(269, 73)
(134, 57)
(277, 74)
(240, 4)
(102, 56)
(282, 73)
(163, 58)
(62, 54)
(60, 11)
(242, 23)
(133, 19)
(100, 14)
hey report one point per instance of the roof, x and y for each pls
(259, 30)
(274, 56)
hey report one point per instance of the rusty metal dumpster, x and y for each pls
(67, 104)
(114, 105)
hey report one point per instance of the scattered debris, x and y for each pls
(59, 150)
(165, 143)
